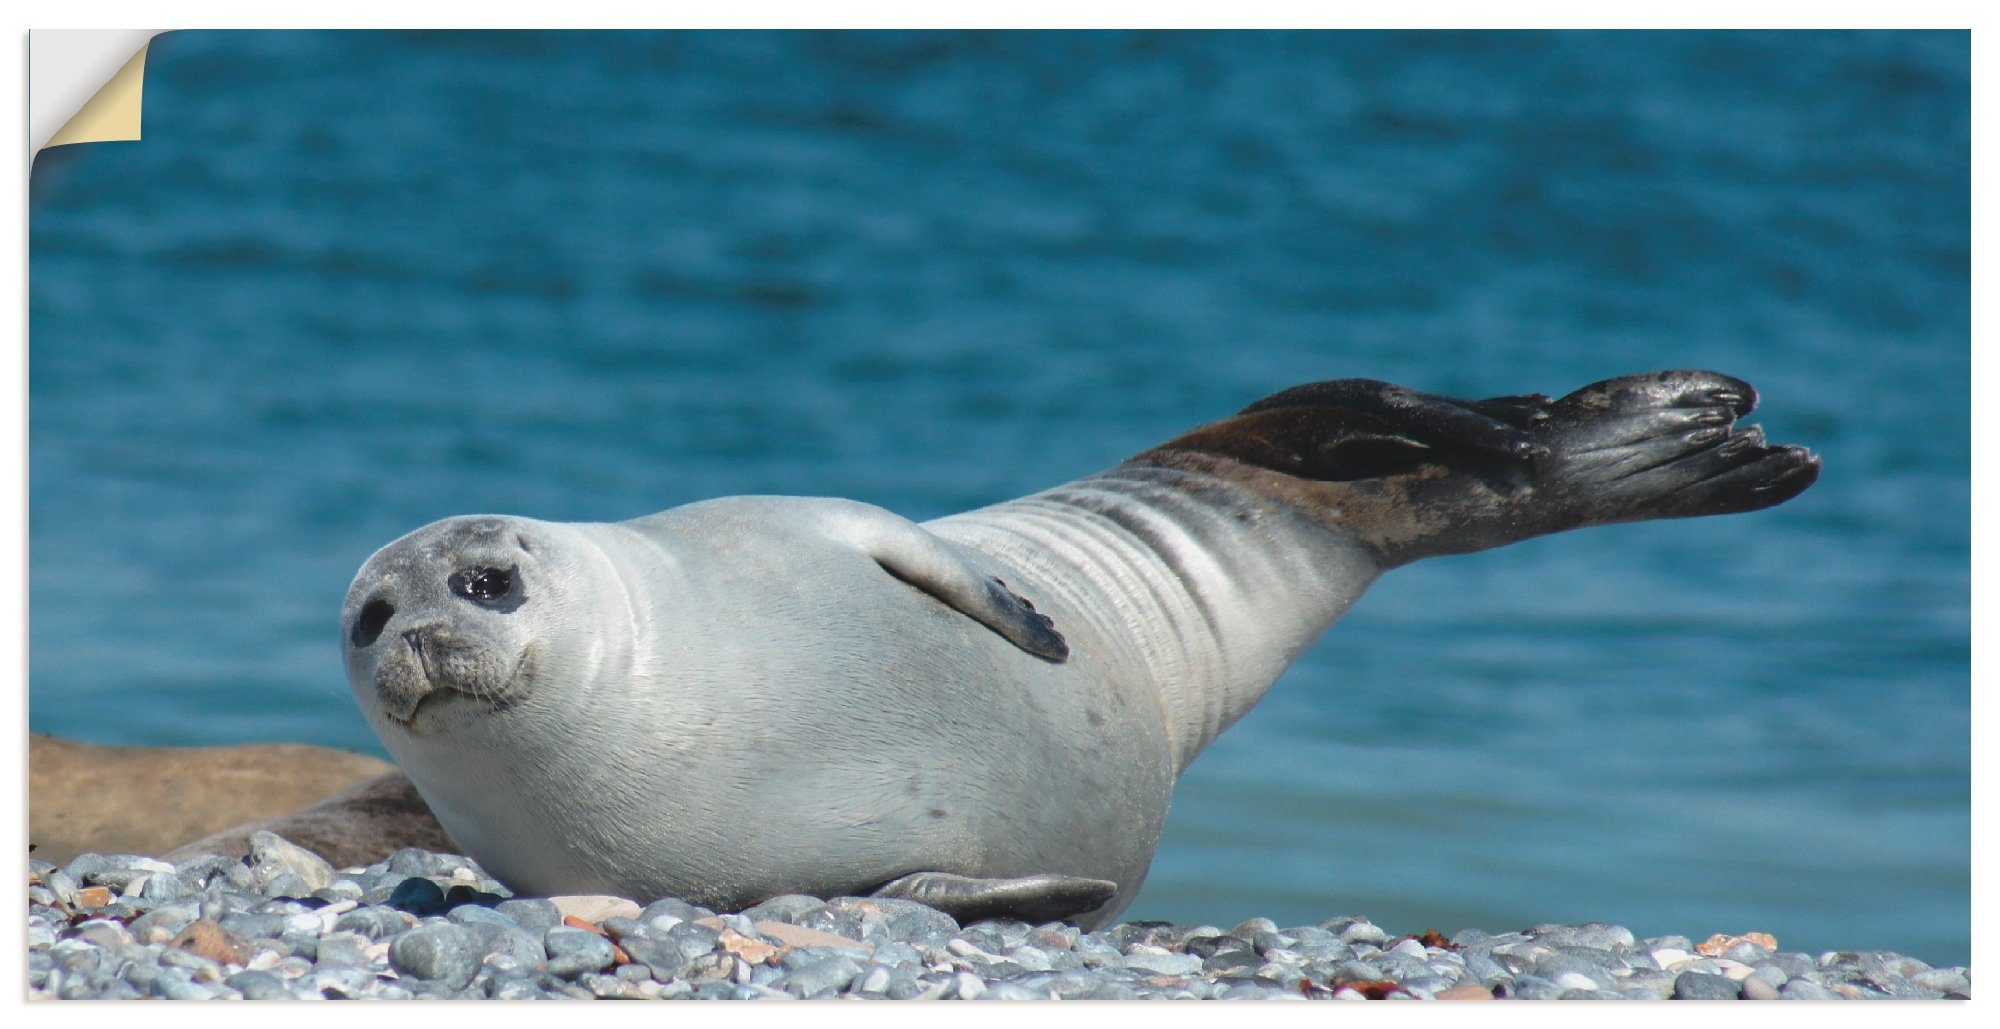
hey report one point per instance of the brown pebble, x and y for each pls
(207, 939)
(1719, 944)
(1433, 938)
(92, 897)
(1049, 940)
(1373, 989)
(799, 936)
(756, 952)
(1466, 991)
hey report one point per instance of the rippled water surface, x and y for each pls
(352, 282)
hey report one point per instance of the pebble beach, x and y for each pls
(284, 924)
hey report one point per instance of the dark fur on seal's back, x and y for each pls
(1416, 475)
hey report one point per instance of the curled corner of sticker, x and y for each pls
(112, 114)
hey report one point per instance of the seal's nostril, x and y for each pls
(368, 625)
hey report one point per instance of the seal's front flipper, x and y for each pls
(1034, 898)
(909, 552)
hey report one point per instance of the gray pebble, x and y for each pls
(347, 949)
(374, 922)
(125, 869)
(506, 940)
(1484, 968)
(110, 935)
(251, 926)
(1793, 965)
(658, 953)
(1769, 974)
(411, 861)
(167, 918)
(851, 923)
(460, 937)
(60, 884)
(670, 906)
(535, 915)
(786, 908)
(1747, 952)
(337, 983)
(340, 890)
(820, 978)
(83, 867)
(1579, 980)
(272, 855)
(438, 951)
(620, 928)
(1704, 986)
(694, 940)
(1532, 987)
(1755, 988)
(1944, 980)
(575, 951)
(1805, 989)
(469, 914)
(180, 989)
(287, 885)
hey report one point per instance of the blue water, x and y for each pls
(353, 282)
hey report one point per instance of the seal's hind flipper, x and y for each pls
(1346, 429)
(1034, 898)
(1666, 445)
(1415, 475)
(909, 552)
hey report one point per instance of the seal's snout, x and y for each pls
(402, 679)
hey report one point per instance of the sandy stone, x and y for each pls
(1719, 944)
(147, 800)
(209, 940)
(800, 936)
(92, 897)
(595, 907)
(756, 952)
(1466, 991)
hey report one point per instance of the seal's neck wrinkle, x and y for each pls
(615, 657)
(1212, 588)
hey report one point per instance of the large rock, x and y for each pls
(350, 809)
(358, 826)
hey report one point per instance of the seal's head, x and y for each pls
(443, 626)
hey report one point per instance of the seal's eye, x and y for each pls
(485, 585)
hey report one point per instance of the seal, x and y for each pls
(754, 696)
